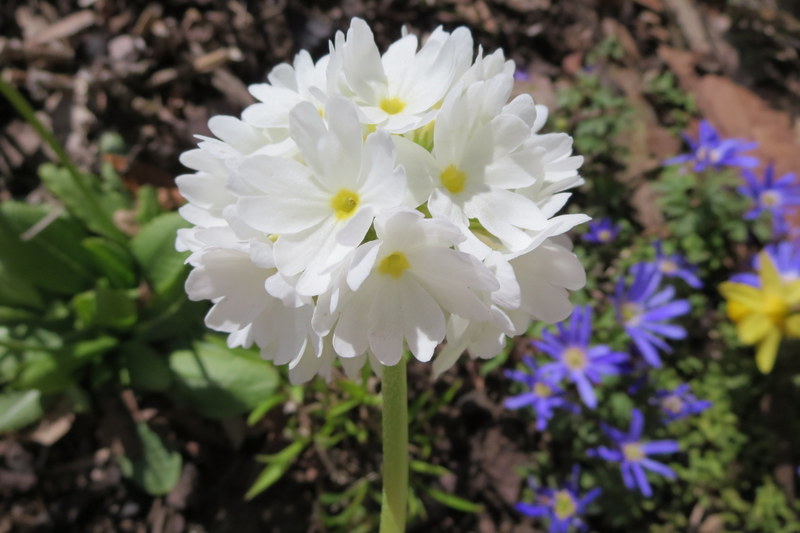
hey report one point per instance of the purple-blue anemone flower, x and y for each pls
(679, 403)
(784, 255)
(711, 151)
(602, 231)
(544, 393)
(564, 507)
(676, 266)
(778, 196)
(644, 310)
(632, 454)
(584, 365)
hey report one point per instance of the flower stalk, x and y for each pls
(395, 449)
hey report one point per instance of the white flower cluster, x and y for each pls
(370, 203)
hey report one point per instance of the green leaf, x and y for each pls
(264, 407)
(220, 382)
(19, 408)
(44, 372)
(277, 465)
(113, 260)
(154, 249)
(53, 371)
(422, 467)
(454, 502)
(158, 469)
(147, 206)
(53, 258)
(147, 369)
(81, 197)
(104, 307)
(17, 292)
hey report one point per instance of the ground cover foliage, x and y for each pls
(120, 412)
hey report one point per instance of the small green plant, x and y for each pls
(87, 307)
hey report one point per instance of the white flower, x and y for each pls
(207, 189)
(398, 91)
(322, 209)
(403, 283)
(289, 86)
(226, 273)
(474, 169)
(369, 204)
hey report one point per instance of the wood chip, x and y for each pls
(213, 60)
(232, 87)
(66, 27)
(690, 21)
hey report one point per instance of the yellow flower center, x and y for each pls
(453, 179)
(542, 390)
(769, 198)
(672, 403)
(575, 358)
(631, 313)
(394, 264)
(345, 203)
(775, 308)
(392, 105)
(633, 452)
(714, 155)
(564, 505)
(667, 266)
(604, 235)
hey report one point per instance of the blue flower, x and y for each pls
(676, 266)
(711, 151)
(584, 365)
(643, 310)
(632, 454)
(786, 258)
(680, 403)
(778, 196)
(602, 231)
(521, 75)
(563, 507)
(543, 396)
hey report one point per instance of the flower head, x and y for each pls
(575, 359)
(563, 507)
(679, 403)
(543, 395)
(709, 150)
(766, 313)
(644, 309)
(602, 231)
(780, 197)
(632, 454)
(370, 202)
(784, 255)
(676, 266)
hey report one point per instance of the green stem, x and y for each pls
(395, 449)
(91, 199)
(24, 108)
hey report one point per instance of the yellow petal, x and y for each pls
(768, 274)
(742, 294)
(736, 311)
(792, 293)
(753, 328)
(792, 326)
(768, 351)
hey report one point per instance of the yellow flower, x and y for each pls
(764, 315)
